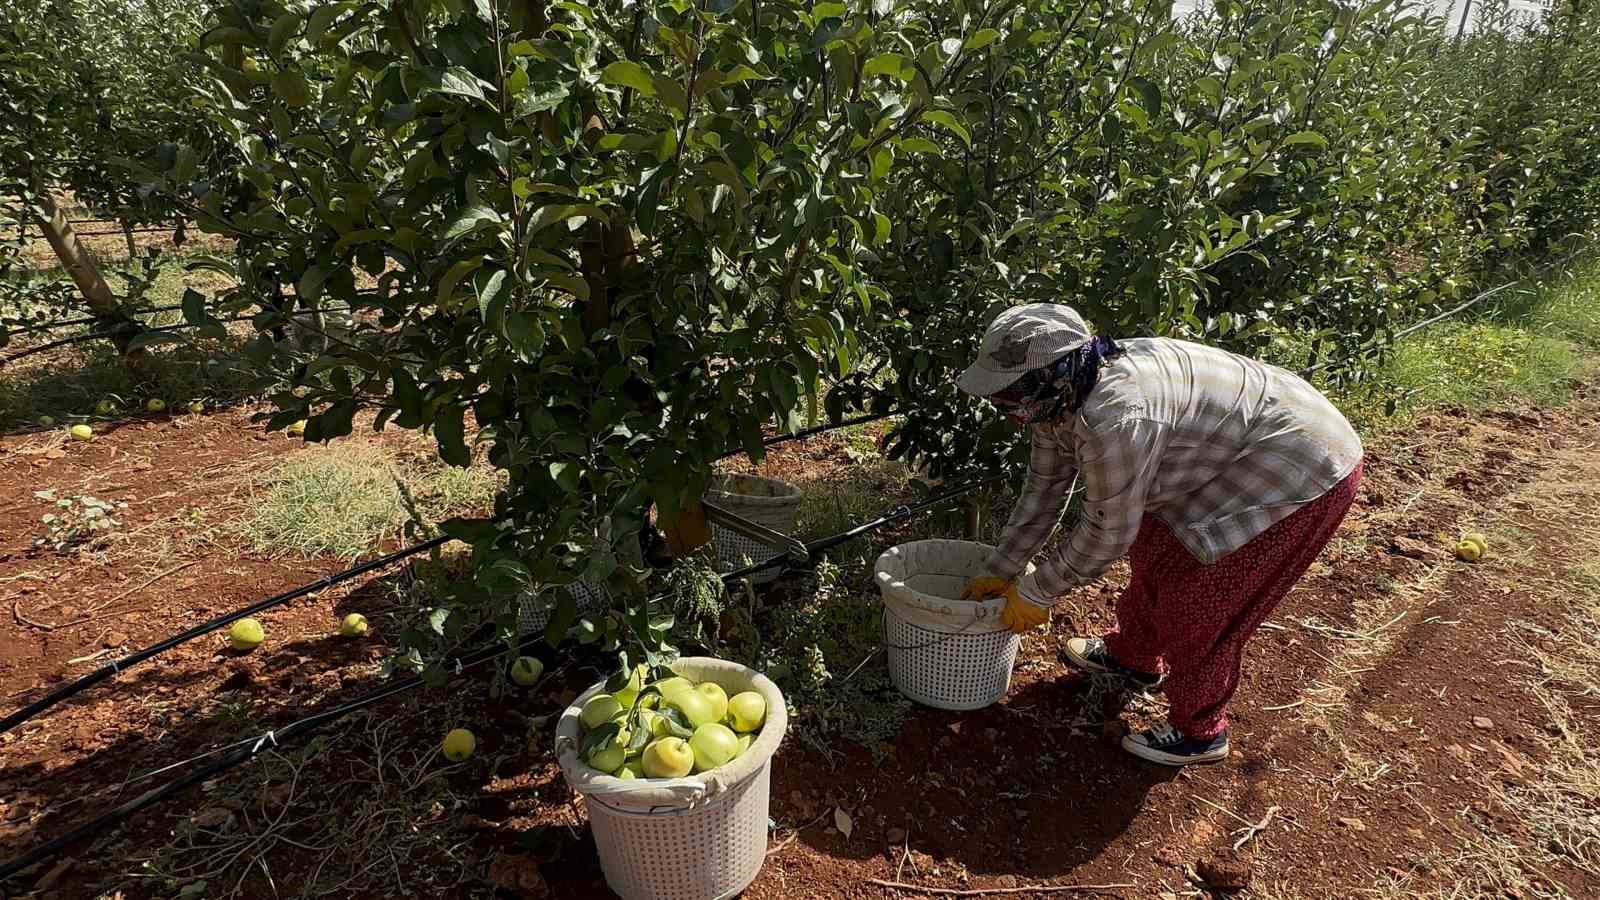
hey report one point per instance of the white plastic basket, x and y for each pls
(703, 837)
(765, 501)
(942, 651)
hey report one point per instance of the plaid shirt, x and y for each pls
(1218, 446)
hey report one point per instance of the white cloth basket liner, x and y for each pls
(942, 651)
(765, 501)
(703, 837)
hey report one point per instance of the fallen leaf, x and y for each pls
(1353, 824)
(843, 822)
(1514, 760)
(1483, 722)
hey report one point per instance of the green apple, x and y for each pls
(630, 771)
(745, 740)
(246, 634)
(714, 745)
(748, 710)
(526, 670)
(610, 757)
(695, 706)
(47, 421)
(667, 757)
(599, 709)
(671, 686)
(81, 432)
(718, 697)
(105, 407)
(353, 626)
(156, 404)
(197, 406)
(459, 744)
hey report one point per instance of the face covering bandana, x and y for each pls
(1050, 392)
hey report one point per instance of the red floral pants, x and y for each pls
(1191, 620)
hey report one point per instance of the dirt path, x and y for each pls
(1408, 725)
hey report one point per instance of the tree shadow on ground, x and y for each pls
(1024, 787)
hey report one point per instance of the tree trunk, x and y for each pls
(85, 272)
(74, 258)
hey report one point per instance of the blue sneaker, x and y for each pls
(1166, 745)
(1091, 655)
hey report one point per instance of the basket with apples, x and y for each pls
(675, 772)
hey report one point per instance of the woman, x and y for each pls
(1220, 478)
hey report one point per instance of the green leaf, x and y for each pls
(461, 83)
(450, 434)
(309, 287)
(882, 228)
(624, 73)
(1149, 95)
(565, 475)
(572, 284)
(980, 39)
(469, 219)
(194, 307)
(452, 278)
(671, 94)
(730, 177)
(290, 87)
(150, 338)
(948, 120)
(321, 19)
(1305, 137)
(492, 290)
(561, 619)
(284, 28)
(551, 215)
(360, 236)
(525, 332)
(893, 65)
(919, 145)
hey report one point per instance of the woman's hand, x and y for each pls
(1021, 616)
(985, 586)
(1018, 615)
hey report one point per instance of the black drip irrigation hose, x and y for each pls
(274, 738)
(67, 691)
(68, 323)
(73, 688)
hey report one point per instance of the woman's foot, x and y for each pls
(1091, 655)
(1167, 745)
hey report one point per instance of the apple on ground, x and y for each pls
(459, 744)
(526, 670)
(353, 626)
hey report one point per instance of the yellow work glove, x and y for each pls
(1018, 615)
(985, 586)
